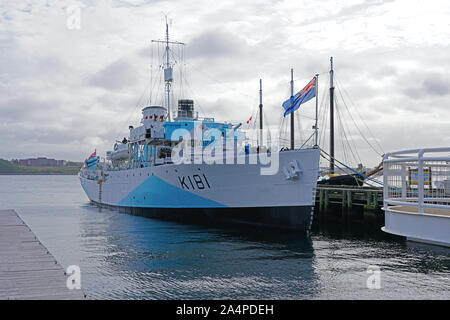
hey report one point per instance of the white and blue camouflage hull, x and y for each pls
(232, 191)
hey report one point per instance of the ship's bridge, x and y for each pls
(186, 120)
(153, 115)
(152, 121)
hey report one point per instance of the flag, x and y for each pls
(93, 155)
(92, 162)
(249, 119)
(306, 94)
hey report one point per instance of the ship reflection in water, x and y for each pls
(129, 257)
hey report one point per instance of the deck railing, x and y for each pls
(418, 178)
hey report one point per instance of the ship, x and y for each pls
(177, 165)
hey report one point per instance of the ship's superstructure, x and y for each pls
(184, 165)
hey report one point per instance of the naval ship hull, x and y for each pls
(225, 192)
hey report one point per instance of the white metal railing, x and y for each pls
(418, 178)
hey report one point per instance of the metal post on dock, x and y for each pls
(420, 183)
(385, 181)
(403, 174)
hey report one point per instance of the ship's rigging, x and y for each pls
(338, 119)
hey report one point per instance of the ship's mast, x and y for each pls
(331, 117)
(260, 115)
(168, 70)
(292, 113)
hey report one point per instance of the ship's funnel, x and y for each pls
(186, 109)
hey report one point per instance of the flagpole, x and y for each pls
(292, 113)
(317, 111)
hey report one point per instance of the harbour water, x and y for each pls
(129, 257)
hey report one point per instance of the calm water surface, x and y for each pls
(129, 257)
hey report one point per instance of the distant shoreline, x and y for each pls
(37, 174)
(8, 168)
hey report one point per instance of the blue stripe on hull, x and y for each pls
(156, 193)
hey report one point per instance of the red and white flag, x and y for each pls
(249, 119)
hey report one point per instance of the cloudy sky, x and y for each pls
(66, 89)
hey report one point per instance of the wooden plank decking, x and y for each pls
(27, 269)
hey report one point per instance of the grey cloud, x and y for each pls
(437, 85)
(361, 7)
(216, 44)
(48, 137)
(16, 66)
(26, 107)
(433, 85)
(350, 11)
(48, 103)
(144, 52)
(116, 76)
(385, 71)
(412, 93)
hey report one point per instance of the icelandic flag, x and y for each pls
(306, 94)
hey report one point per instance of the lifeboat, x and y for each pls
(120, 152)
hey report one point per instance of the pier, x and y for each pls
(348, 209)
(27, 269)
(369, 198)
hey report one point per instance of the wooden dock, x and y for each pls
(370, 198)
(27, 269)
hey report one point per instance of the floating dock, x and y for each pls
(27, 269)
